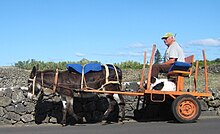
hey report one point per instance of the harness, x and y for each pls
(83, 80)
(107, 81)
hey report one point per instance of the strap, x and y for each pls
(42, 79)
(82, 79)
(116, 72)
(55, 81)
(33, 86)
(106, 73)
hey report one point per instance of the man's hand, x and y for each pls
(170, 61)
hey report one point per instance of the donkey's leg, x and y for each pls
(111, 105)
(70, 108)
(121, 104)
(64, 102)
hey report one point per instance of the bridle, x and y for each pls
(42, 82)
(33, 84)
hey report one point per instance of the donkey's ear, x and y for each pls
(33, 72)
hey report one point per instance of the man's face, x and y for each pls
(168, 41)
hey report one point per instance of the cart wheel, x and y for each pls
(186, 108)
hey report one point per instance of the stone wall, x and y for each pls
(14, 106)
(17, 109)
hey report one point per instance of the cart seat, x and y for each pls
(180, 70)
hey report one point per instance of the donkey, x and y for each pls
(67, 83)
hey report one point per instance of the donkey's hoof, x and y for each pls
(104, 117)
(63, 124)
(80, 120)
(106, 122)
(121, 122)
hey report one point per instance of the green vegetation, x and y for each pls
(157, 57)
(49, 65)
(212, 62)
(123, 65)
(62, 65)
(129, 65)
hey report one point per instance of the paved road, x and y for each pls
(203, 126)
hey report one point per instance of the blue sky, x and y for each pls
(109, 31)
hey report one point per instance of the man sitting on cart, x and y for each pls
(174, 52)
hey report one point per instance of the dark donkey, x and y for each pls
(66, 83)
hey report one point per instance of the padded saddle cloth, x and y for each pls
(181, 66)
(87, 68)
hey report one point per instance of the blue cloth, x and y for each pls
(182, 66)
(75, 67)
(87, 68)
(92, 67)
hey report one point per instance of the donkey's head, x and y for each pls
(34, 88)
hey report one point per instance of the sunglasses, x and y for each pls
(165, 38)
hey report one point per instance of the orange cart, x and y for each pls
(185, 104)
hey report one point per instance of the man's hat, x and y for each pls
(167, 35)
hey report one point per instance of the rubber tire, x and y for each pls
(186, 108)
